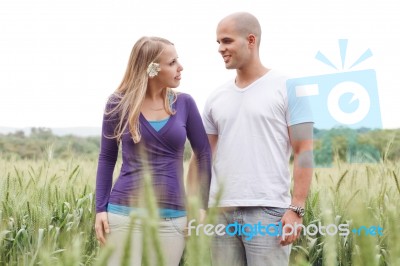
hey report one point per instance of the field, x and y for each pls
(47, 215)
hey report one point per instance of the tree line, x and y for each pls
(362, 145)
(356, 146)
(41, 143)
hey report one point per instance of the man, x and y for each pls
(252, 125)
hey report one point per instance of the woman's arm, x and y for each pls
(105, 169)
(199, 173)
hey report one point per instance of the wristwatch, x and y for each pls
(297, 209)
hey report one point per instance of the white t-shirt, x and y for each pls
(251, 163)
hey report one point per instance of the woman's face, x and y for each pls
(170, 73)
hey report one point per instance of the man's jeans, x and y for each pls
(240, 250)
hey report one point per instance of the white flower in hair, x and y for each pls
(153, 69)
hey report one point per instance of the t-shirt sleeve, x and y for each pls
(107, 159)
(208, 121)
(298, 106)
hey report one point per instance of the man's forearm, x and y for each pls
(302, 181)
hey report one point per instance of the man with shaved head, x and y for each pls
(253, 127)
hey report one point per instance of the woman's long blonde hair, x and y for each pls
(128, 98)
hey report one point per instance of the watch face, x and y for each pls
(301, 212)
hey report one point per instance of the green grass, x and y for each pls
(47, 215)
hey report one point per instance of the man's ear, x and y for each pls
(251, 39)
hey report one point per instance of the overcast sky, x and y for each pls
(60, 60)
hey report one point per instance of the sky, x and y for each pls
(60, 60)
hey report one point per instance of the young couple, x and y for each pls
(242, 143)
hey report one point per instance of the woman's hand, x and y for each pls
(101, 227)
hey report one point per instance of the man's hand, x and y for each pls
(289, 234)
(101, 227)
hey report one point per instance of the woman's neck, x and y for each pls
(154, 94)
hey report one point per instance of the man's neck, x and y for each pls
(244, 77)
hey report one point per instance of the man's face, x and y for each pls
(232, 46)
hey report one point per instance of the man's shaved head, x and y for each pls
(245, 24)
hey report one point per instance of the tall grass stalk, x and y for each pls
(47, 216)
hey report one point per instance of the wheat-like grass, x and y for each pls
(47, 216)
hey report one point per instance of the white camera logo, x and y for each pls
(359, 93)
(333, 97)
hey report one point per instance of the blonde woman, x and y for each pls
(151, 122)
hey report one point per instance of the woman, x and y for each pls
(151, 122)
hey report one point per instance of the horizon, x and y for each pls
(96, 131)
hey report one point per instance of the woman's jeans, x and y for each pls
(170, 232)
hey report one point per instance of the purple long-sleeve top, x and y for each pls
(160, 152)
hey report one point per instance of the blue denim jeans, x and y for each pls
(240, 250)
